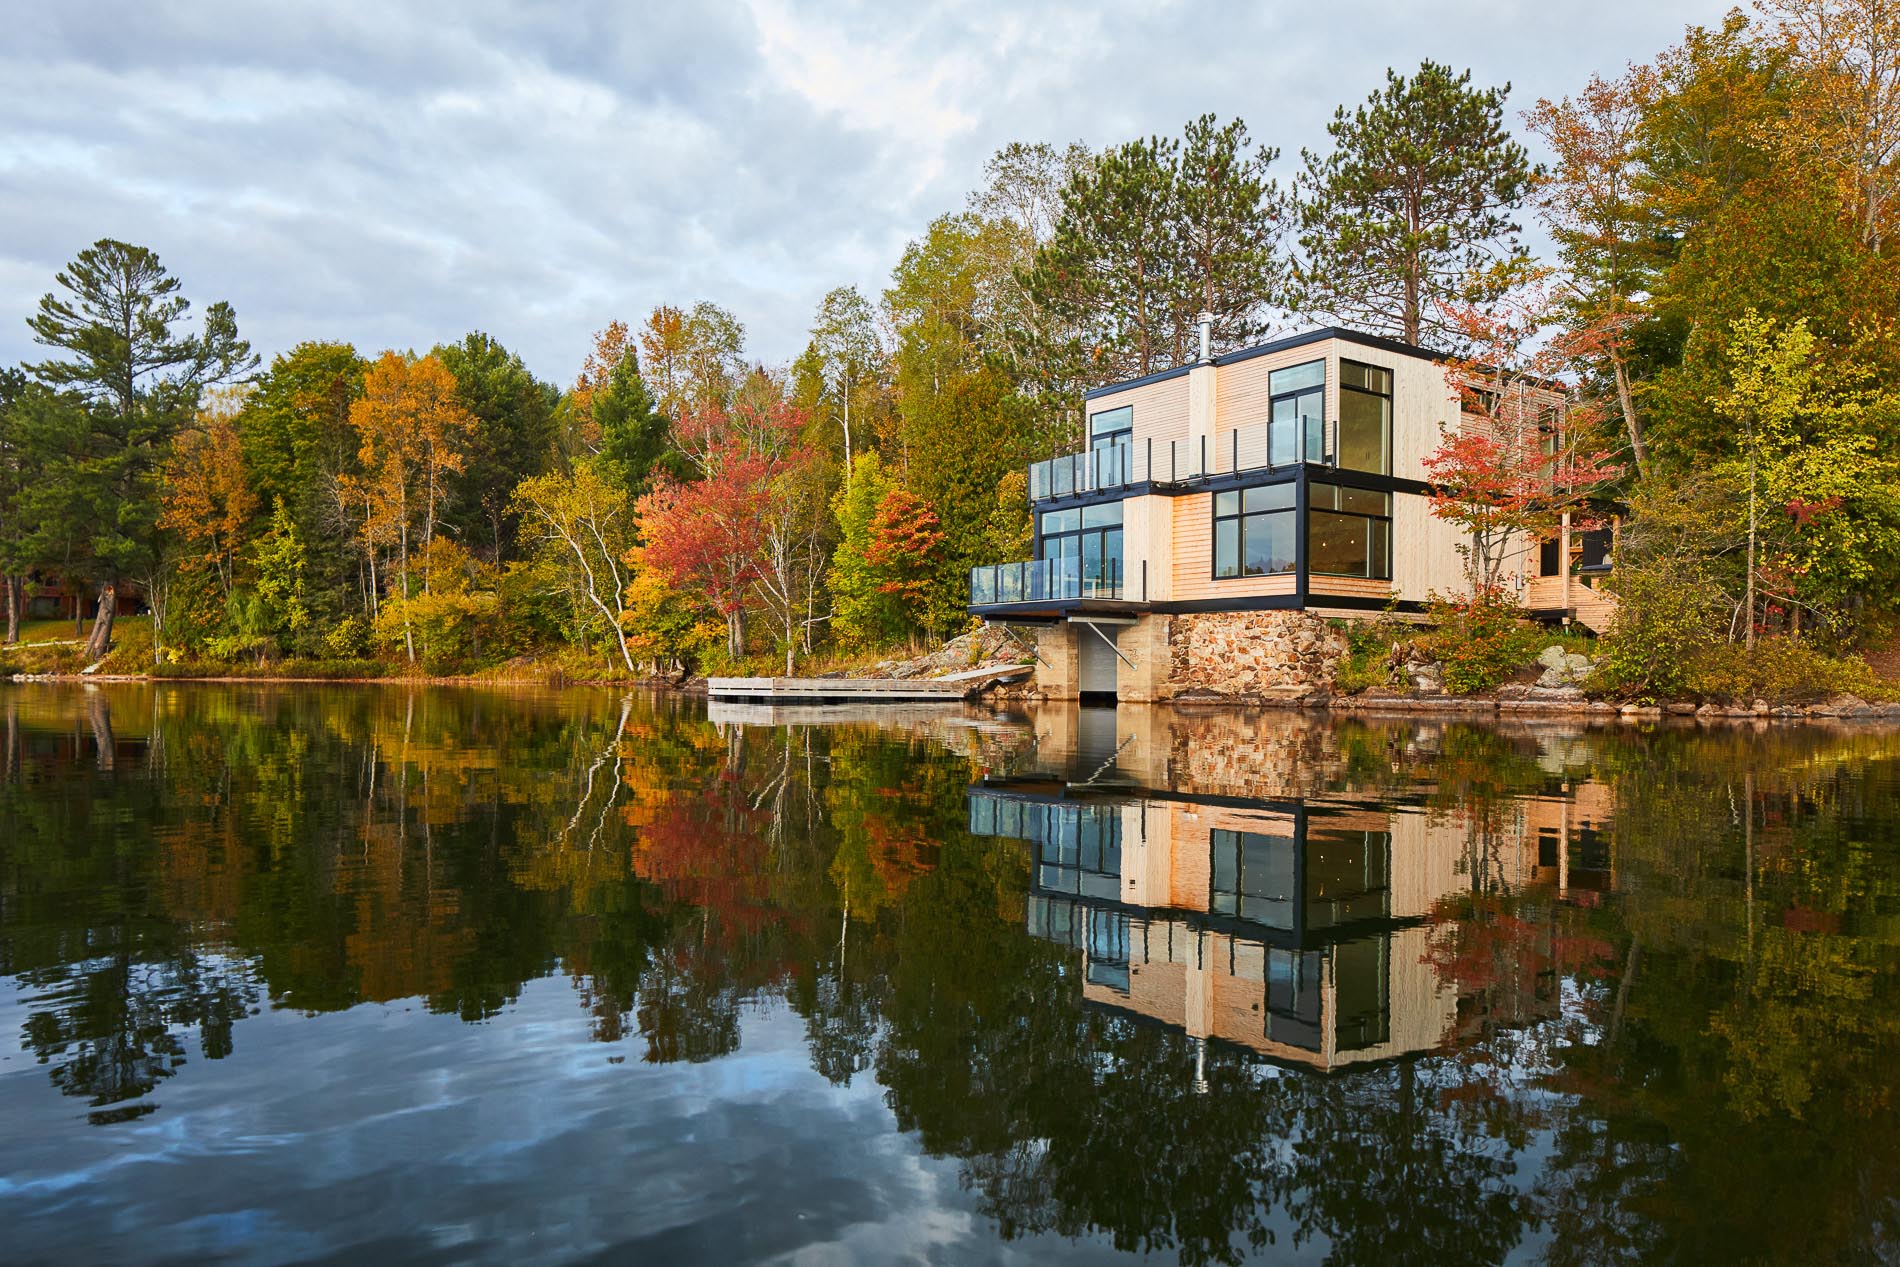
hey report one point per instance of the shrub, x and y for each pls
(1781, 671)
(1368, 653)
(1668, 612)
(1480, 641)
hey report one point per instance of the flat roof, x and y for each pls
(1321, 335)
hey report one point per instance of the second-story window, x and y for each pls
(1298, 431)
(1111, 442)
(1254, 531)
(1365, 418)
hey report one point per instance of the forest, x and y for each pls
(1718, 298)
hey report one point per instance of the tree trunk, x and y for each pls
(1748, 615)
(101, 640)
(1626, 401)
(16, 598)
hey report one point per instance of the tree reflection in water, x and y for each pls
(1205, 983)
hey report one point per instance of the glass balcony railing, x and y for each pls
(1264, 446)
(1045, 581)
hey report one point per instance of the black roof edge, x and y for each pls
(1321, 335)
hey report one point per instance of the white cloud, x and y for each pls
(399, 175)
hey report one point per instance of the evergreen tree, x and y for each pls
(514, 433)
(1413, 208)
(116, 325)
(1153, 234)
(634, 436)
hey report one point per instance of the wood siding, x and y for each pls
(1194, 558)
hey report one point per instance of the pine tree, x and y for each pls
(1414, 206)
(139, 375)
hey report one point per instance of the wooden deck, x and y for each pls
(862, 690)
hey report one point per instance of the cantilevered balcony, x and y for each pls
(1045, 581)
(1262, 446)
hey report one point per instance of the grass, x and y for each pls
(61, 630)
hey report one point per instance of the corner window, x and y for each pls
(1111, 445)
(1365, 418)
(1298, 410)
(1254, 531)
(1091, 536)
(1348, 532)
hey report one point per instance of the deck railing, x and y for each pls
(1044, 581)
(1263, 446)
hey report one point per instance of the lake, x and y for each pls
(367, 974)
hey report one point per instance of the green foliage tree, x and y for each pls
(634, 435)
(1153, 234)
(864, 616)
(513, 436)
(1413, 207)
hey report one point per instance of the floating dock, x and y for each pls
(863, 690)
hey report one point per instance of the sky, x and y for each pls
(398, 174)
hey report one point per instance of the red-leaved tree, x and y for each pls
(905, 538)
(745, 532)
(1518, 461)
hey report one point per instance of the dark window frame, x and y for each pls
(1114, 579)
(1389, 396)
(1307, 528)
(1301, 447)
(1239, 518)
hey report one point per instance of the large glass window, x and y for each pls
(1092, 534)
(1254, 877)
(1365, 418)
(1111, 445)
(1298, 431)
(1254, 531)
(1348, 532)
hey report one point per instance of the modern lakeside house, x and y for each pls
(1239, 501)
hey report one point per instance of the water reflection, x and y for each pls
(537, 976)
(1316, 930)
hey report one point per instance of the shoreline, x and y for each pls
(1839, 709)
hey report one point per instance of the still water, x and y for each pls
(368, 974)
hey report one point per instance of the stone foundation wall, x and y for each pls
(1254, 654)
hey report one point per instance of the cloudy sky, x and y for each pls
(396, 174)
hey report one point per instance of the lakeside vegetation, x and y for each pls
(1722, 298)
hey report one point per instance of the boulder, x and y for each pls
(1426, 679)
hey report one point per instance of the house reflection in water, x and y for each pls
(1298, 926)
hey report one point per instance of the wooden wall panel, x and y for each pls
(1194, 558)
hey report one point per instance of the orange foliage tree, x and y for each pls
(207, 497)
(414, 433)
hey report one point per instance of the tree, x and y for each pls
(414, 432)
(845, 353)
(1514, 467)
(1849, 53)
(116, 328)
(716, 536)
(902, 553)
(584, 521)
(271, 611)
(513, 433)
(864, 615)
(15, 473)
(207, 498)
(694, 357)
(1154, 233)
(611, 346)
(1817, 484)
(634, 436)
(1592, 202)
(1413, 207)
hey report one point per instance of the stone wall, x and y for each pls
(1254, 654)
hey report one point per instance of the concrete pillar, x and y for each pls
(1152, 677)
(1058, 672)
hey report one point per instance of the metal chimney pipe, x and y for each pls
(1207, 336)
